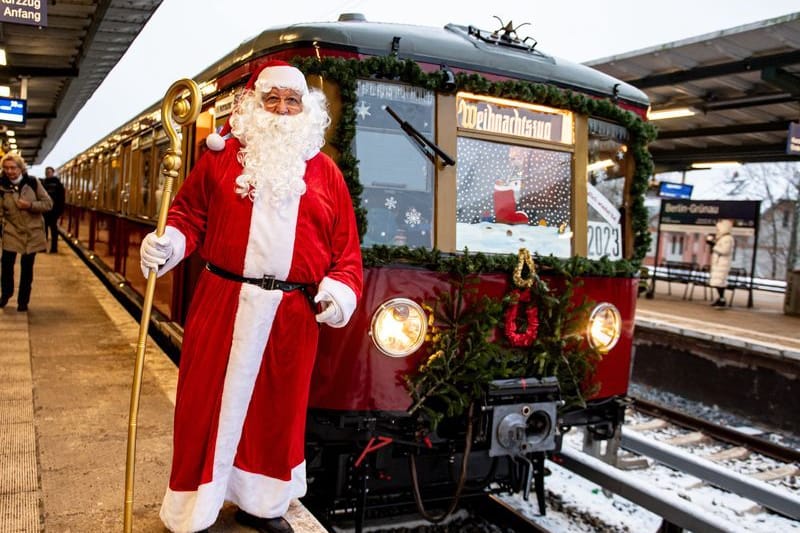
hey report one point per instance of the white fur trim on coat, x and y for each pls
(282, 76)
(178, 241)
(215, 142)
(343, 296)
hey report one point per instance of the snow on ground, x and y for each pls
(491, 237)
(577, 505)
(584, 506)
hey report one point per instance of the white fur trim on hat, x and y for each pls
(215, 142)
(285, 77)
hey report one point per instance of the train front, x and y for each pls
(499, 295)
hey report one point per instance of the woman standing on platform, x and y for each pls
(23, 199)
(721, 256)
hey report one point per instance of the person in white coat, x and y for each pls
(721, 255)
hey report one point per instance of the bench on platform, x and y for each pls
(738, 278)
(679, 272)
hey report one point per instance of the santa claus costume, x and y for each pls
(248, 351)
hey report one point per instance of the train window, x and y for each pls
(162, 148)
(114, 180)
(396, 176)
(606, 172)
(511, 196)
(145, 197)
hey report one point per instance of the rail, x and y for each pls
(674, 509)
(726, 434)
(752, 489)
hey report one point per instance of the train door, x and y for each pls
(125, 184)
(143, 176)
(162, 144)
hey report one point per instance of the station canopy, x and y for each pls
(56, 68)
(737, 91)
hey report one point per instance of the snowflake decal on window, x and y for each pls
(413, 217)
(390, 203)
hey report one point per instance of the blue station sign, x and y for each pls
(675, 190)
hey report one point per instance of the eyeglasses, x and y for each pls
(283, 101)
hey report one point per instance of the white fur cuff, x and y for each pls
(343, 296)
(178, 241)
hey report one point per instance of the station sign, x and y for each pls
(499, 116)
(13, 111)
(31, 12)
(686, 215)
(675, 190)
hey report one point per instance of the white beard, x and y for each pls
(274, 151)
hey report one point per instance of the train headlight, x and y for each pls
(398, 327)
(605, 327)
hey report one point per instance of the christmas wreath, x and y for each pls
(475, 339)
(525, 337)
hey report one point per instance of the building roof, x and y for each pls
(63, 63)
(743, 83)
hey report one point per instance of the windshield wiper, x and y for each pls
(425, 144)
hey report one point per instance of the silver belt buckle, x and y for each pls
(267, 283)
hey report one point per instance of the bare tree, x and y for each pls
(777, 185)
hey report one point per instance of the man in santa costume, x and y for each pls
(272, 217)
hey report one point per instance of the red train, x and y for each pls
(500, 195)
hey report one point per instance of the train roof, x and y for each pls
(458, 47)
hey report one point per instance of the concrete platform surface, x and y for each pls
(66, 368)
(765, 325)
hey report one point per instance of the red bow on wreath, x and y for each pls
(531, 318)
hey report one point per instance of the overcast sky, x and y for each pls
(185, 36)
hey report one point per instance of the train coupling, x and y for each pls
(524, 416)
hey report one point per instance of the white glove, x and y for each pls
(154, 252)
(331, 312)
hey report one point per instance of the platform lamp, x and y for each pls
(184, 109)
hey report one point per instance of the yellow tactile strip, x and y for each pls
(19, 480)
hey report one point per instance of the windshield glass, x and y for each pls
(396, 175)
(608, 164)
(511, 197)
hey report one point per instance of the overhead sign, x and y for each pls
(32, 12)
(13, 111)
(675, 190)
(793, 139)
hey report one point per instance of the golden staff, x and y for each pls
(183, 111)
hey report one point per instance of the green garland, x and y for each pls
(466, 352)
(346, 72)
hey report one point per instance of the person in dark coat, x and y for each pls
(55, 189)
(23, 199)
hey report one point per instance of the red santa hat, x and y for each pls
(271, 74)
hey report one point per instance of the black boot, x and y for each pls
(264, 525)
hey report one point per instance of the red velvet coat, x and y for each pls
(248, 353)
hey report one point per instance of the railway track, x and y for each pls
(735, 437)
(688, 473)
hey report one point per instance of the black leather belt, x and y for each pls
(268, 283)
